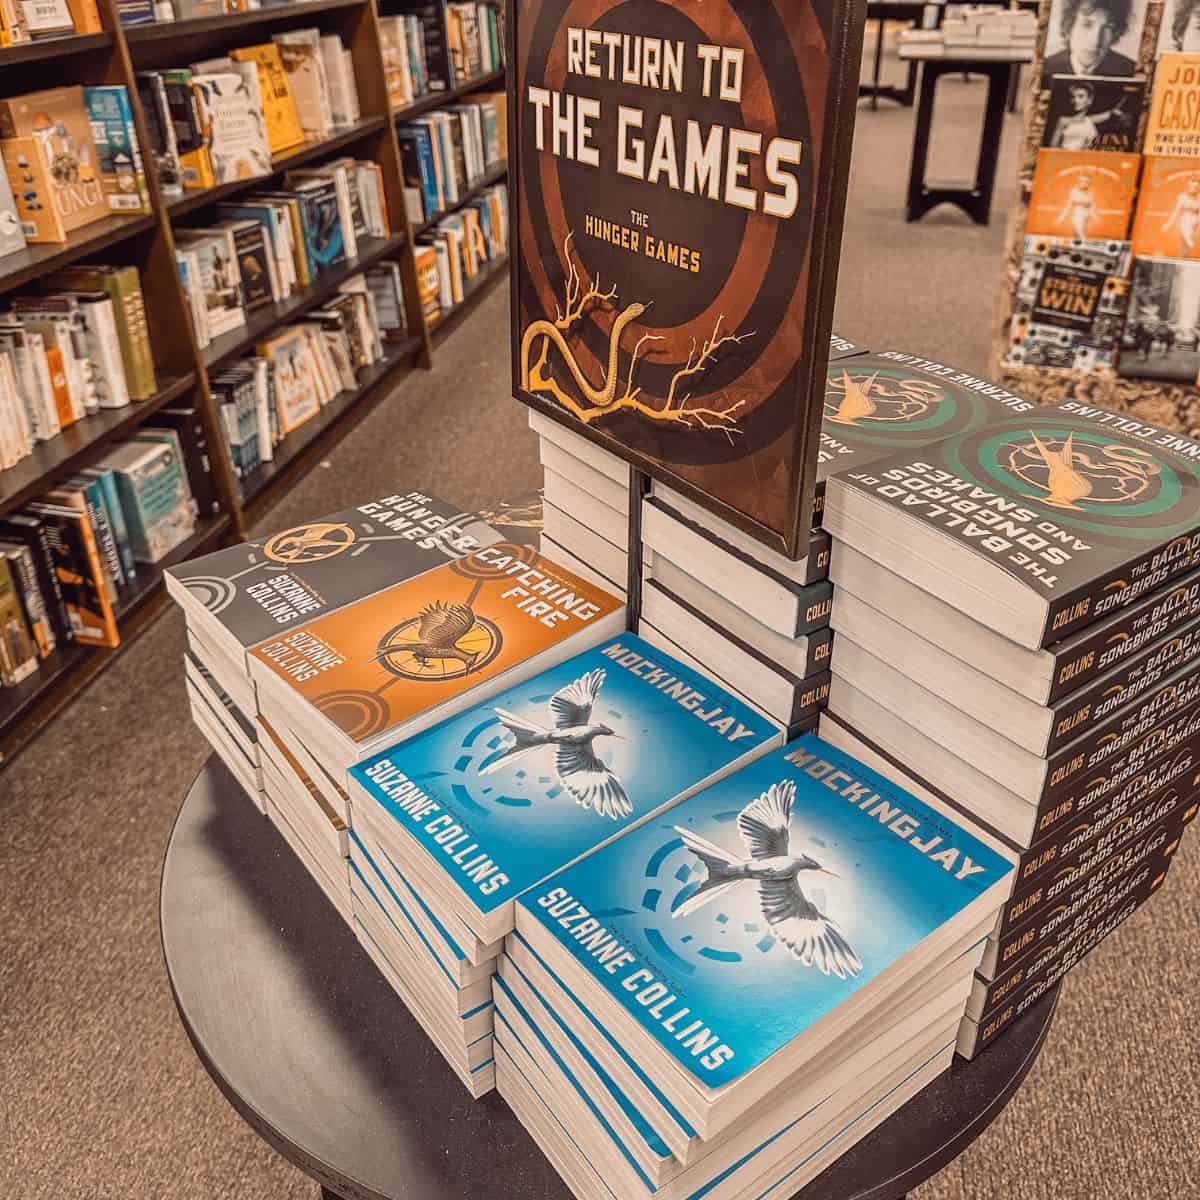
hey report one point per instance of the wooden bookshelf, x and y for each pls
(184, 369)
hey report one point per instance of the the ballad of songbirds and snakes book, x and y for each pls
(1035, 526)
(492, 802)
(357, 680)
(248, 592)
(728, 940)
(880, 403)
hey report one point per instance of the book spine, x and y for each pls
(1012, 994)
(1077, 908)
(18, 654)
(116, 519)
(29, 530)
(1120, 587)
(104, 350)
(1119, 739)
(1178, 772)
(1090, 857)
(1103, 649)
(196, 458)
(131, 290)
(97, 511)
(37, 615)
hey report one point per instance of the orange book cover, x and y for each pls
(377, 663)
(1082, 194)
(58, 383)
(1167, 223)
(1173, 126)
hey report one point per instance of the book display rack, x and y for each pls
(1082, 363)
(183, 368)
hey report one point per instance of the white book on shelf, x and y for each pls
(104, 350)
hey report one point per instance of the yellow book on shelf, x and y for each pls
(85, 15)
(284, 131)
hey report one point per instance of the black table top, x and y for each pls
(318, 1054)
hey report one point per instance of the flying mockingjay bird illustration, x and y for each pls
(795, 921)
(580, 771)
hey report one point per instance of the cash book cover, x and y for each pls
(732, 923)
(257, 587)
(1088, 508)
(679, 181)
(1173, 126)
(880, 403)
(378, 661)
(508, 792)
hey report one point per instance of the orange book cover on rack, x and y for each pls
(376, 663)
(1167, 223)
(1082, 194)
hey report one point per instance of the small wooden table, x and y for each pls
(975, 201)
(320, 1057)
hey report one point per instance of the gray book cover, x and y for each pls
(259, 587)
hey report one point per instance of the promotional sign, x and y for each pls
(679, 178)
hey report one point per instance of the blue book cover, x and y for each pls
(730, 925)
(423, 137)
(512, 790)
(116, 519)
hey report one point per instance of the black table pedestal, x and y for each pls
(975, 201)
(315, 1051)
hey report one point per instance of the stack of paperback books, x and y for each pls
(731, 995)
(239, 597)
(1017, 611)
(454, 825)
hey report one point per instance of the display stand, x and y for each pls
(183, 368)
(1170, 405)
(315, 1051)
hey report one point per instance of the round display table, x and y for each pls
(320, 1057)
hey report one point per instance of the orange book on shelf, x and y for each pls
(1167, 223)
(29, 178)
(1082, 194)
(58, 384)
(85, 16)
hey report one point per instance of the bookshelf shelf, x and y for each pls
(16, 270)
(166, 31)
(492, 175)
(334, 416)
(185, 370)
(79, 443)
(26, 709)
(259, 324)
(190, 201)
(436, 99)
(28, 52)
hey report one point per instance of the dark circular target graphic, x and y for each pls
(402, 652)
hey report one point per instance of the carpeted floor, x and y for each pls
(100, 1093)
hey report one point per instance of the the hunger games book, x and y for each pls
(1070, 302)
(1173, 127)
(1167, 221)
(753, 909)
(1084, 194)
(1035, 526)
(880, 403)
(248, 592)
(678, 179)
(393, 663)
(843, 347)
(547, 771)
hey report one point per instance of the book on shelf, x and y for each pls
(154, 496)
(284, 131)
(122, 285)
(47, 19)
(188, 131)
(1168, 209)
(1172, 127)
(235, 125)
(18, 650)
(213, 280)
(1084, 194)
(22, 566)
(122, 174)
(303, 62)
(12, 233)
(1158, 341)
(1094, 113)
(160, 129)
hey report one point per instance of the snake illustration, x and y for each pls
(601, 398)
